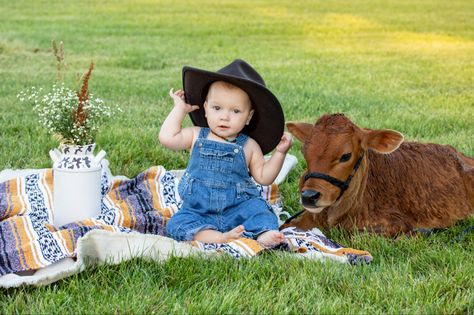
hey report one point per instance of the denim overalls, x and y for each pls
(218, 193)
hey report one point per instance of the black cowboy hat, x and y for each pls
(267, 123)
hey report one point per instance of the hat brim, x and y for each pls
(267, 123)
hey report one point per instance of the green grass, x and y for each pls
(402, 65)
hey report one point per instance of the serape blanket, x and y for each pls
(29, 241)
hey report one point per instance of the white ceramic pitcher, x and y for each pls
(76, 183)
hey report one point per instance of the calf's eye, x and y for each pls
(345, 157)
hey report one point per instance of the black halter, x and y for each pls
(332, 180)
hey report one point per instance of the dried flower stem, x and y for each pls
(61, 66)
(80, 115)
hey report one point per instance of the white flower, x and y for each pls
(57, 111)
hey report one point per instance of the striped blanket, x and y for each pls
(29, 241)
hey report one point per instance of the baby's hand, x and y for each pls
(285, 143)
(178, 98)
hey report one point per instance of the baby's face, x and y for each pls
(228, 109)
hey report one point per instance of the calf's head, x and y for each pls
(333, 149)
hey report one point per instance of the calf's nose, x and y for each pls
(310, 197)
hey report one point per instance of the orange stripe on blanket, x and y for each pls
(125, 219)
(72, 240)
(346, 251)
(131, 212)
(109, 228)
(26, 239)
(9, 197)
(47, 180)
(127, 213)
(153, 185)
(13, 186)
(15, 207)
(252, 247)
(66, 241)
(35, 260)
(274, 193)
(115, 184)
(15, 203)
(271, 193)
(341, 251)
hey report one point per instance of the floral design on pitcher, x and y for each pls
(76, 157)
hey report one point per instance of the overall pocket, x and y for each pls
(185, 186)
(247, 190)
(216, 160)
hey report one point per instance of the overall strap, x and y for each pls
(203, 132)
(241, 139)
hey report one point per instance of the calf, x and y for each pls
(372, 180)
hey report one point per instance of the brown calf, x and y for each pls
(391, 186)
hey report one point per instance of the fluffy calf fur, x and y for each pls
(398, 187)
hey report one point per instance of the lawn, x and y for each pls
(403, 65)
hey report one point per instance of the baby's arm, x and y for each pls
(171, 134)
(265, 172)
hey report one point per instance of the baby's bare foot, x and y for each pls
(233, 234)
(270, 238)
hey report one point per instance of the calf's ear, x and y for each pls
(300, 130)
(382, 141)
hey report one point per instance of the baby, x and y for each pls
(239, 120)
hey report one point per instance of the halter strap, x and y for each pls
(334, 181)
